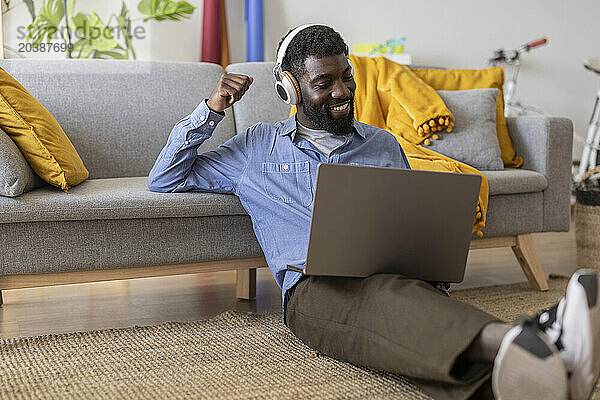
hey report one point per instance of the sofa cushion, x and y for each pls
(514, 214)
(121, 198)
(59, 246)
(473, 140)
(463, 79)
(38, 135)
(514, 181)
(114, 198)
(16, 176)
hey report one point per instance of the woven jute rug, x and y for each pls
(232, 356)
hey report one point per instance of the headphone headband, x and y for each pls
(284, 45)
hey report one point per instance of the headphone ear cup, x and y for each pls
(282, 92)
(288, 88)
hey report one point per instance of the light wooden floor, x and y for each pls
(69, 308)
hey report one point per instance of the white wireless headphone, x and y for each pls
(286, 86)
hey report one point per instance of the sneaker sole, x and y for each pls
(582, 330)
(528, 367)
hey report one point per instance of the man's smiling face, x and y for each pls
(327, 89)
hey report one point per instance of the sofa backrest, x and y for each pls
(260, 103)
(118, 114)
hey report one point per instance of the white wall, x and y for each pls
(463, 34)
(452, 34)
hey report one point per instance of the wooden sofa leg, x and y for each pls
(530, 262)
(246, 283)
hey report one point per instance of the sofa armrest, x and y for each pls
(546, 145)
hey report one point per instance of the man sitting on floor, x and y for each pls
(386, 322)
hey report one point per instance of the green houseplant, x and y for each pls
(86, 35)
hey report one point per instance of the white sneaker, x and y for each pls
(528, 366)
(573, 325)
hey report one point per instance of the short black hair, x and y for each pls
(315, 41)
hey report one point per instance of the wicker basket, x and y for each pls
(587, 221)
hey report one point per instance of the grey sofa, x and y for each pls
(118, 115)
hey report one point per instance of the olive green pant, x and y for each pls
(393, 324)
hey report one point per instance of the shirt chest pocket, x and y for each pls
(288, 182)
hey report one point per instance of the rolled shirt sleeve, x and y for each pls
(179, 167)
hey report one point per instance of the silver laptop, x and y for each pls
(373, 220)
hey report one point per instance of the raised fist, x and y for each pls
(231, 88)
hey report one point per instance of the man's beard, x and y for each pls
(319, 115)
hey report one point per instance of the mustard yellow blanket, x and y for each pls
(390, 96)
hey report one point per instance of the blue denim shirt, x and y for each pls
(272, 171)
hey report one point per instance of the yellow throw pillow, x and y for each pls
(39, 136)
(465, 79)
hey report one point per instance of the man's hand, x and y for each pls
(231, 88)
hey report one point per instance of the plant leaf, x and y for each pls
(46, 24)
(83, 49)
(145, 7)
(124, 11)
(82, 24)
(161, 10)
(54, 11)
(71, 7)
(78, 48)
(118, 53)
(94, 34)
(29, 4)
(125, 26)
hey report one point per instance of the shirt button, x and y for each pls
(285, 167)
(187, 142)
(202, 118)
(211, 123)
